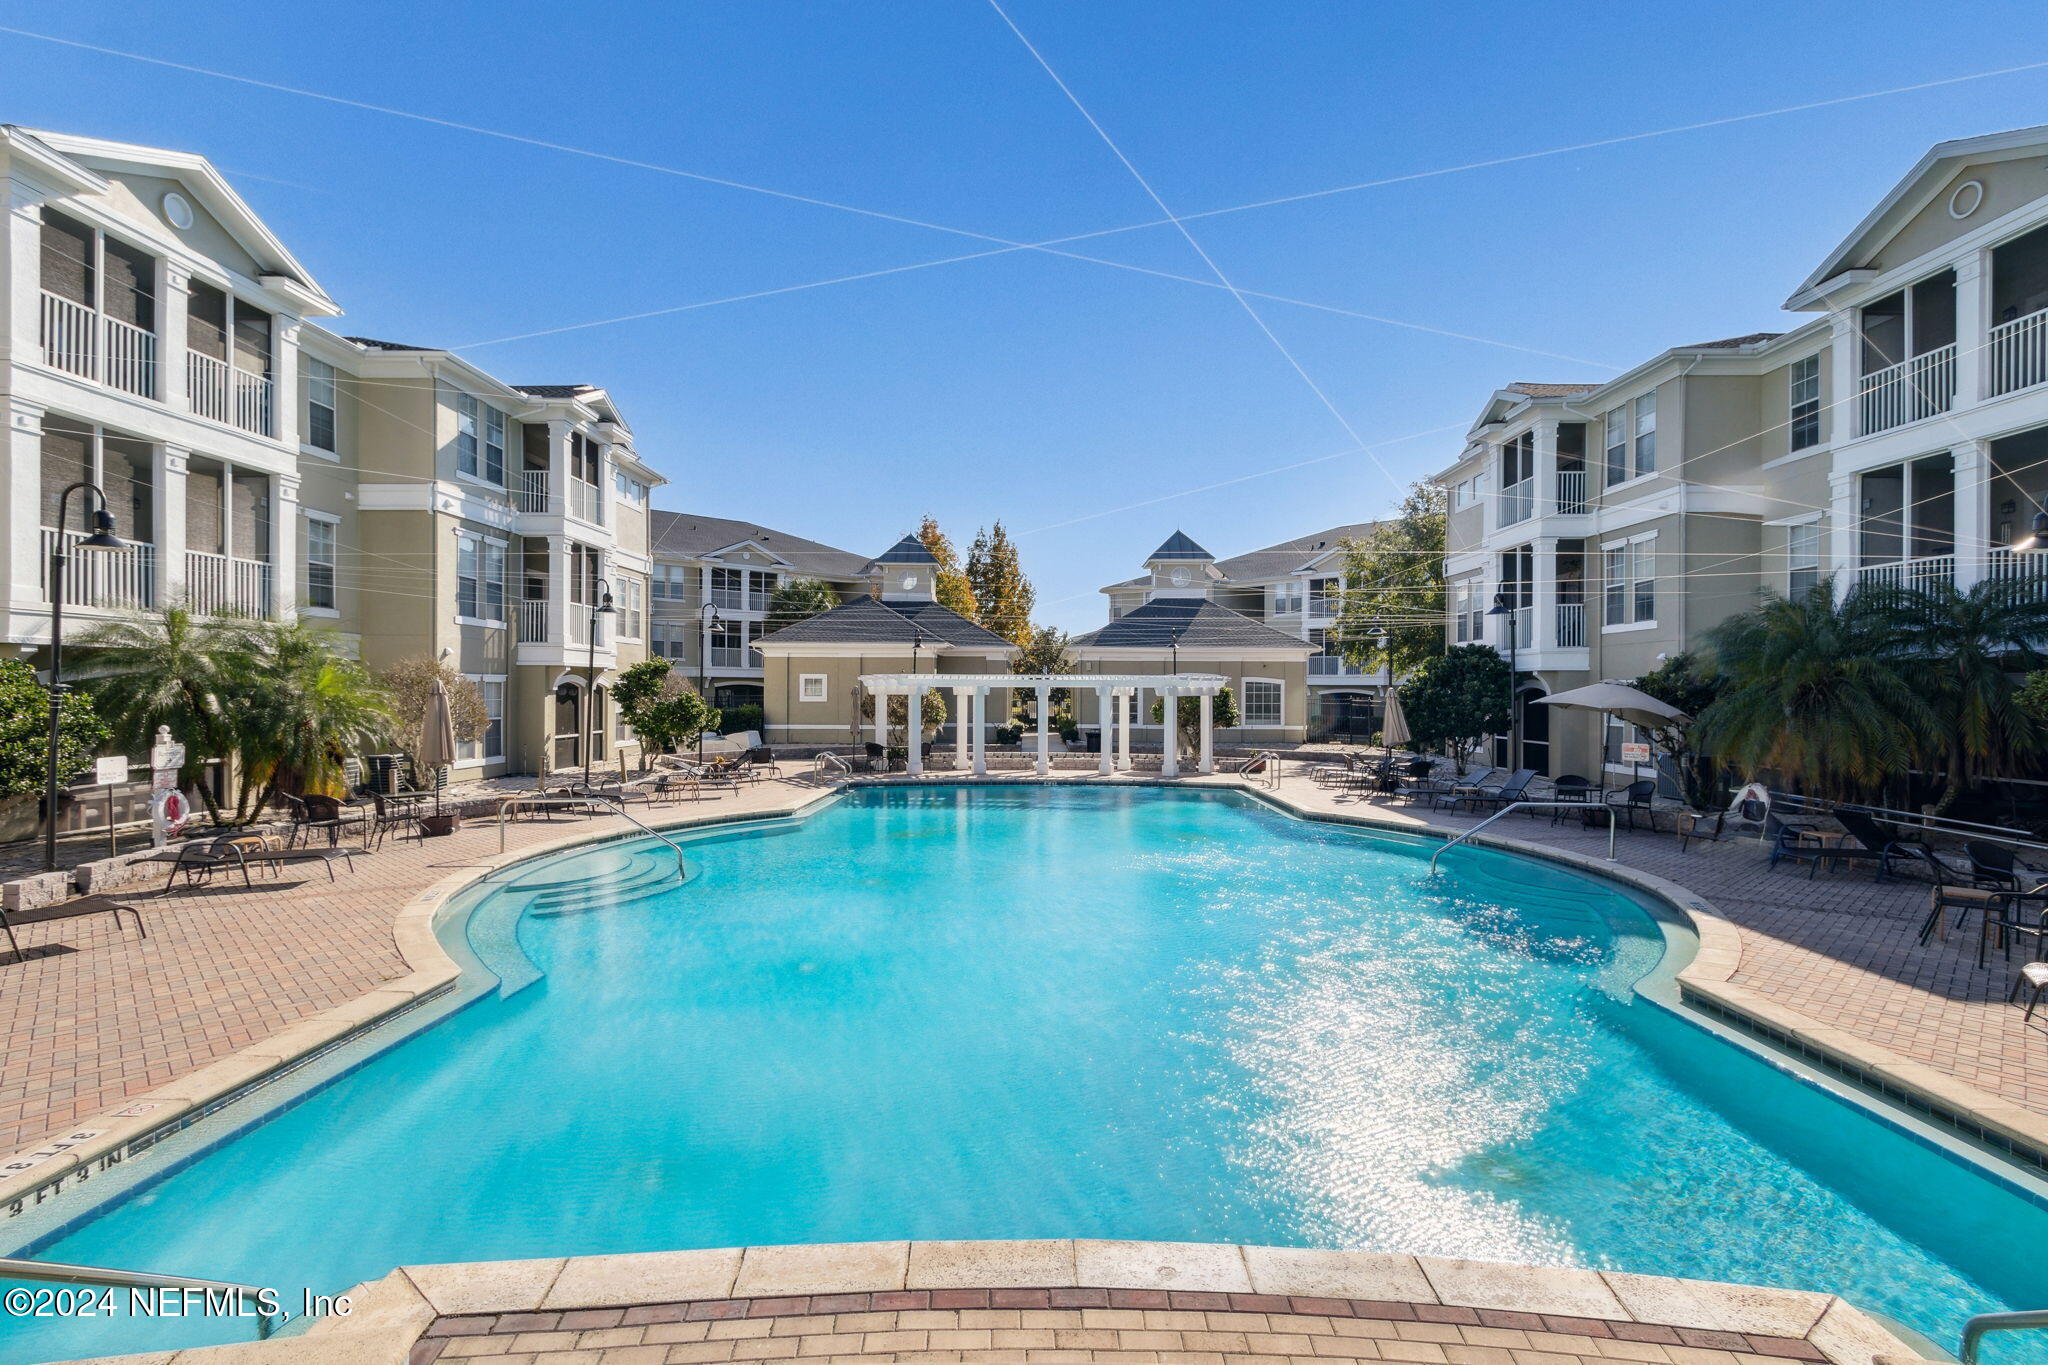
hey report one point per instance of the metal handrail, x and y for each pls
(1930, 824)
(1613, 825)
(1977, 1328)
(57, 1272)
(1271, 771)
(682, 872)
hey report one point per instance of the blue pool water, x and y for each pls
(1042, 1012)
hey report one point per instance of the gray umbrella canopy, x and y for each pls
(1394, 726)
(1618, 699)
(437, 737)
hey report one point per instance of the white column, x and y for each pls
(284, 547)
(284, 381)
(172, 339)
(913, 732)
(167, 474)
(1208, 764)
(1972, 502)
(980, 731)
(559, 607)
(1842, 530)
(559, 434)
(961, 705)
(1044, 764)
(1840, 407)
(1105, 729)
(881, 717)
(1973, 329)
(1123, 728)
(21, 529)
(1545, 434)
(1169, 741)
(21, 280)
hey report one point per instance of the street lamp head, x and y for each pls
(605, 607)
(102, 537)
(1502, 605)
(2038, 536)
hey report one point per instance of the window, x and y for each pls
(1617, 445)
(467, 446)
(629, 489)
(494, 447)
(1461, 603)
(1805, 396)
(1802, 559)
(488, 746)
(1630, 594)
(671, 583)
(1286, 598)
(728, 643)
(320, 558)
(320, 404)
(1646, 434)
(669, 637)
(629, 609)
(728, 588)
(479, 440)
(1324, 596)
(480, 579)
(810, 687)
(1517, 474)
(1262, 697)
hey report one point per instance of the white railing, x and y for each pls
(253, 402)
(2019, 352)
(723, 656)
(2025, 570)
(1518, 502)
(1333, 666)
(1524, 620)
(1571, 625)
(1571, 492)
(131, 358)
(123, 578)
(1908, 391)
(68, 335)
(531, 494)
(759, 598)
(584, 503)
(1914, 574)
(206, 381)
(531, 617)
(732, 598)
(217, 583)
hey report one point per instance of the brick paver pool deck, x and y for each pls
(93, 1017)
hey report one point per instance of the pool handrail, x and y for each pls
(1523, 805)
(505, 806)
(58, 1272)
(1982, 1325)
(1269, 768)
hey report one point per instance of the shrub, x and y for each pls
(1009, 734)
(739, 719)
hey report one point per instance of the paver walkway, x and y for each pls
(93, 1017)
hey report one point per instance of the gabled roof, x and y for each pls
(909, 550)
(1293, 556)
(1196, 623)
(375, 345)
(690, 535)
(1733, 343)
(1179, 546)
(556, 390)
(866, 621)
(1530, 388)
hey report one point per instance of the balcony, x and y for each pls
(1571, 625)
(1517, 502)
(116, 580)
(530, 617)
(1571, 493)
(1917, 575)
(731, 599)
(584, 502)
(2025, 570)
(1909, 391)
(229, 394)
(2019, 353)
(80, 341)
(1335, 666)
(724, 656)
(530, 494)
(218, 584)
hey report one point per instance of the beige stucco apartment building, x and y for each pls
(159, 341)
(1897, 437)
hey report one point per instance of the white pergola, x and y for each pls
(1114, 694)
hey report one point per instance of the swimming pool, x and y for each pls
(959, 1012)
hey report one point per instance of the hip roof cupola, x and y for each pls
(1181, 568)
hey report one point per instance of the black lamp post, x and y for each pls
(711, 618)
(604, 607)
(1506, 605)
(102, 538)
(1378, 636)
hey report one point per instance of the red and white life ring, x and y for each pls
(171, 812)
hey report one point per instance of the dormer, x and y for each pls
(905, 572)
(1181, 568)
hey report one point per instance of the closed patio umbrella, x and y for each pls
(1394, 725)
(437, 738)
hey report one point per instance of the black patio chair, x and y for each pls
(761, 756)
(1955, 890)
(2010, 915)
(1996, 865)
(1636, 796)
(1448, 789)
(1574, 788)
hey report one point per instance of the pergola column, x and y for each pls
(1044, 764)
(980, 731)
(1208, 764)
(913, 733)
(1105, 698)
(1123, 726)
(960, 708)
(882, 722)
(1169, 740)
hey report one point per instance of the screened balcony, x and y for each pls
(98, 313)
(1908, 355)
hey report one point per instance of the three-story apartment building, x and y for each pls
(159, 341)
(1897, 438)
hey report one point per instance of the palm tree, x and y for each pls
(1819, 689)
(1960, 647)
(306, 709)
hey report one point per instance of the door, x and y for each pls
(1535, 732)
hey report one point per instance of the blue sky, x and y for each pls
(1051, 393)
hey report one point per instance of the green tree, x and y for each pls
(1045, 651)
(931, 714)
(1188, 716)
(1816, 690)
(25, 731)
(1959, 648)
(171, 668)
(1003, 596)
(1457, 698)
(954, 591)
(2033, 696)
(799, 599)
(304, 708)
(1396, 578)
(1684, 682)
(663, 709)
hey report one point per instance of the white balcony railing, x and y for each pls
(1518, 502)
(1919, 574)
(217, 583)
(1908, 391)
(584, 502)
(733, 599)
(1571, 625)
(1333, 666)
(253, 402)
(123, 579)
(530, 616)
(227, 393)
(206, 381)
(2019, 353)
(723, 656)
(530, 494)
(2026, 570)
(131, 358)
(1524, 620)
(68, 335)
(1571, 492)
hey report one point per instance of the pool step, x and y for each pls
(645, 873)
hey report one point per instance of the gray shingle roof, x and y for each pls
(555, 390)
(1733, 343)
(1534, 390)
(1200, 624)
(1277, 561)
(377, 345)
(686, 534)
(866, 621)
(909, 550)
(1179, 546)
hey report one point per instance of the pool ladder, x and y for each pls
(56, 1272)
(1525, 805)
(510, 803)
(1984, 1324)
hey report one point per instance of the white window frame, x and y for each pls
(474, 753)
(332, 524)
(1288, 597)
(1799, 560)
(805, 688)
(670, 633)
(1244, 705)
(479, 440)
(320, 380)
(1614, 446)
(1632, 556)
(485, 553)
(631, 603)
(1802, 390)
(1643, 446)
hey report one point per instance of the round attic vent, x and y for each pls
(177, 211)
(1967, 198)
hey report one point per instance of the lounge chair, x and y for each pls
(1872, 842)
(75, 909)
(1748, 808)
(241, 850)
(1445, 788)
(1516, 788)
